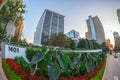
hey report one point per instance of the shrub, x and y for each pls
(11, 74)
(55, 63)
(22, 61)
(30, 52)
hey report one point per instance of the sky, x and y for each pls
(76, 13)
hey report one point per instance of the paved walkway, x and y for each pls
(2, 74)
(112, 70)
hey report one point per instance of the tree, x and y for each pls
(8, 13)
(73, 45)
(104, 47)
(1, 35)
(95, 45)
(60, 40)
(83, 44)
(88, 44)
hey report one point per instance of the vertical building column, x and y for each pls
(92, 27)
(58, 25)
(50, 25)
(42, 27)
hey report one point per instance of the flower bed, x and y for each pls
(100, 73)
(19, 70)
(11, 75)
(57, 65)
(88, 76)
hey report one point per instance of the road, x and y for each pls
(112, 70)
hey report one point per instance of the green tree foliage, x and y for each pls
(22, 42)
(1, 34)
(104, 47)
(8, 14)
(73, 45)
(60, 40)
(88, 44)
(95, 44)
(83, 44)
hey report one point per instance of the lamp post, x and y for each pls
(17, 14)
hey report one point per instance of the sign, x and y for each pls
(12, 51)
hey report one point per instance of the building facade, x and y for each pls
(118, 14)
(50, 24)
(95, 29)
(116, 38)
(74, 35)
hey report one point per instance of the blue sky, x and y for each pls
(76, 12)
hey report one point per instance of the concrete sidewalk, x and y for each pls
(2, 74)
(112, 70)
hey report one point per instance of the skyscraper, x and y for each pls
(118, 14)
(50, 24)
(95, 29)
(116, 38)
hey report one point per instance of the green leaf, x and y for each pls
(75, 60)
(47, 58)
(63, 61)
(82, 66)
(39, 56)
(72, 65)
(54, 71)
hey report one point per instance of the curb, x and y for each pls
(2, 72)
(105, 68)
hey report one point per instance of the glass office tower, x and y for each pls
(50, 24)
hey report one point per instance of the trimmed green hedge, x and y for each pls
(100, 74)
(10, 73)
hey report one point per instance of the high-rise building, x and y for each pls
(118, 14)
(116, 38)
(95, 29)
(50, 24)
(74, 35)
(19, 28)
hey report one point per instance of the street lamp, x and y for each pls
(17, 14)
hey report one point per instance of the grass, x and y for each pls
(100, 73)
(10, 73)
